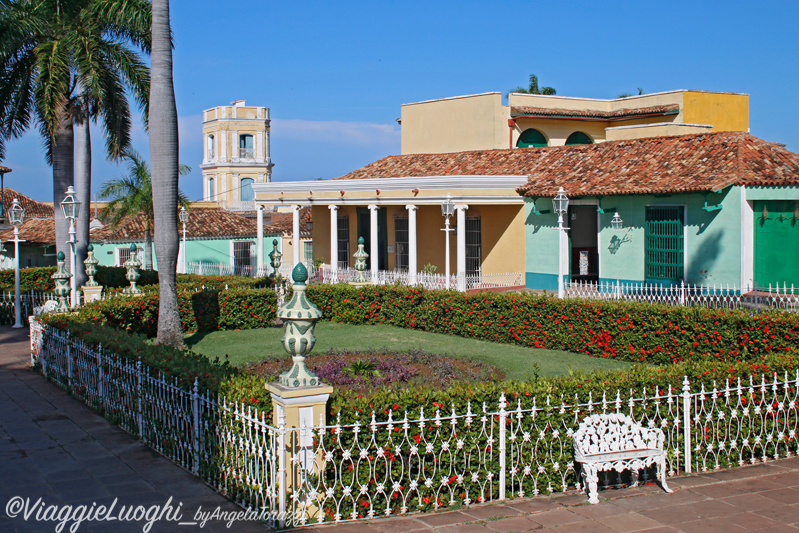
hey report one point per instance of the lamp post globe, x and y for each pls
(71, 209)
(16, 215)
(560, 204)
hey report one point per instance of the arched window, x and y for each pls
(211, 191)
(531, 137)
(245, 146)
(579, 137)
(210, 147)
(247, 194)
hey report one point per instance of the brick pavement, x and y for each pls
(53, 447)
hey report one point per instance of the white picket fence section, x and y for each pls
(755, 298)
(347, 472)
(430, 281)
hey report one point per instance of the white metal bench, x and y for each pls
(616, 442)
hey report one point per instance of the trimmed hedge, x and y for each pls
(627, 331)
(634, 332)
(40, 279)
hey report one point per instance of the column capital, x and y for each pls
(261, 208)
(411, 207)
(296, 207)
(461, 207)
(374, 207)
(332, 207)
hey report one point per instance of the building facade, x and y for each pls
(236, 154)
(482, 122)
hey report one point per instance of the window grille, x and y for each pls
(343, 241)
(123, 254)
(308, 251)
(242, 257)
(246, 147)
(474, 246)
(664, 236)
(401, 242)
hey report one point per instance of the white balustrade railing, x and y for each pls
(401, 463)
(728, 296)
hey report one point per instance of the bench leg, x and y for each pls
(662, 475)
(634, 473)
(591, 479)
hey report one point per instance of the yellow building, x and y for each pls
(465, 149)
(482, 122)
(236, 154)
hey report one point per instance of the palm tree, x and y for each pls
(66, 63)
(164, 160)
(132, 195)
(533, 88)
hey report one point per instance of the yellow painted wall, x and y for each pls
(724, 111)
(618, 134)
(557, 131)
(476, 122)
(502, 236)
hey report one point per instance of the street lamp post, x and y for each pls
(447, 210)
(560, 204)
(184, 219)
(71, 209)
(16, 215)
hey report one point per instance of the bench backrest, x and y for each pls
(615, 432)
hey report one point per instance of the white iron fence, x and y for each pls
(427, 280)
(518, 447)
(753, 297)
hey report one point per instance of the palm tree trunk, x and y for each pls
(148, 249)
(83, 192)
(63, 177)
(164, 164)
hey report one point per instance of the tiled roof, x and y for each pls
(619, 114)
(204, 223)
(699, 162)
(33, 209)
(35, 231)
(284, 222)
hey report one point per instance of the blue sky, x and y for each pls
(336, 73)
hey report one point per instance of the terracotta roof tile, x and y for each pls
(618, 114)
(699, 162)
(35, 231)
(33, 209)
(284, 222)
(204, 223)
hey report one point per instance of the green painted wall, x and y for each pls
(205, 250)
(712, 239)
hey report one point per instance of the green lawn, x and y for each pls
(517, 362)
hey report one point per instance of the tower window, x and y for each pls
(246, 147)
(210, 147)
(211, 191)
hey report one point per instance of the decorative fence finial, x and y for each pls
(275, 259)
(62, 289)
(133, 275)
(360, 264)
(91, 263)
(299, 318)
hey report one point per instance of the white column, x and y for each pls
(259, 147)
(234, 145)
(373, 241)
(223, 147)
(260, 229)
(236, 188)
(333, 237)
(412, 267)
(295, 233)
(461, 250)
(563, 253)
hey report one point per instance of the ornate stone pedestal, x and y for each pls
(92, 294)
(92, 291)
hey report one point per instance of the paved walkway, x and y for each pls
(54, 448)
